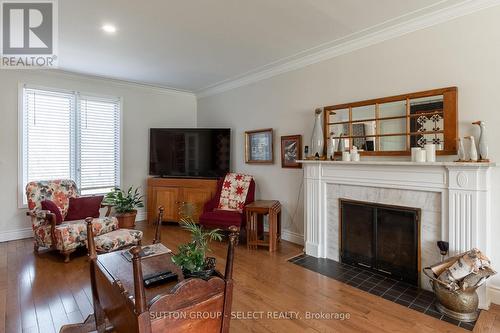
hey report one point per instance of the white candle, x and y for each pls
(346, 156)
(414, 151)
(420, 157)
(430, 150)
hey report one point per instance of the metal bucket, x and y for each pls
(461, 305)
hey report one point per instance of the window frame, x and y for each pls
(75, 158)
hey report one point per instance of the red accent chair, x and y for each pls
(212, 218)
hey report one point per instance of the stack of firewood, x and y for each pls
(467, 270)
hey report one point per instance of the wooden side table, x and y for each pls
(254, 214)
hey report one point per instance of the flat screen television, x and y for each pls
(196, 152)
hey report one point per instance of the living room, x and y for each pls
(320, 112)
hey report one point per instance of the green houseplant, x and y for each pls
(191, 257)
(125, 204)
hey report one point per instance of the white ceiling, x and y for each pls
(194, 44)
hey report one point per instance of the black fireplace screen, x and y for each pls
(382, 238)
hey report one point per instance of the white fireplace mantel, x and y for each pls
(464, 189)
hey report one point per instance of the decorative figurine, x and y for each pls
(473, 149)
(317, 140)
(483, 141)
(461, 150)
(355, 154)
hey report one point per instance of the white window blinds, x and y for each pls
(99, 139)
(68, 135)
(48, 127)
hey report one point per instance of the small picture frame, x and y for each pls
(291, 151)
(259, 146)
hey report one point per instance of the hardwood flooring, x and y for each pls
(41, 293)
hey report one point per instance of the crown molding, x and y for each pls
(372, 36)
(120, 82)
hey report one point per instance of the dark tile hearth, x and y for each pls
(395, 291)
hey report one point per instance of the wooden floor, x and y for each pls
(41, 293)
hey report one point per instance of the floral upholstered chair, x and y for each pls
(67, 236)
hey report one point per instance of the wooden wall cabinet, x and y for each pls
(172, 192)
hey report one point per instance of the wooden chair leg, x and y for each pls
(255, 230)
(87, 326)
(272, 231)
(35, 247)
(67, 255)
(249, 231)
(279, 226)
(100, 318)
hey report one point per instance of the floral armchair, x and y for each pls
(69, 235)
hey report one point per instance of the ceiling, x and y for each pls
(194, 44)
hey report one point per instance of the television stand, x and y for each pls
(187, 177)
(171, 193)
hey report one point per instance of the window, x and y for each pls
(98, 141)
(70, 135)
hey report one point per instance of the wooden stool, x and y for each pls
(254, 214)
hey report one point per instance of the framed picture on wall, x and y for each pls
(259, 146)
(291, 151)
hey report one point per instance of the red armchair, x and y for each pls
(212, 218)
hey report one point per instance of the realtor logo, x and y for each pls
(29, 33)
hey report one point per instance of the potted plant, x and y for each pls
(125, 204)
(191, 256)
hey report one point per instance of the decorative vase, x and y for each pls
(317, 140)
(330, 151)
(126, 220)
(483, 143)
(461, 150)
(473, 150)
(341, 146)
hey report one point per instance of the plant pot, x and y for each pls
(126, 220)
(204, 274)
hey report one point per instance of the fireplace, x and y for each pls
(383, 238)
(454, 199)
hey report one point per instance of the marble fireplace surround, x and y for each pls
(430, 218)
(454, 199)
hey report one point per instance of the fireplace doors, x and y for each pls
(381, 238)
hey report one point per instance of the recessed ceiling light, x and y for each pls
(109, 28)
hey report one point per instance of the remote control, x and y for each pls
(159, 278)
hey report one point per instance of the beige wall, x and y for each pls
(143, 107)
(464, 52)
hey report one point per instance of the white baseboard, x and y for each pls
(494, 294)
(292, 237)
(11, 235)
(141, 214)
